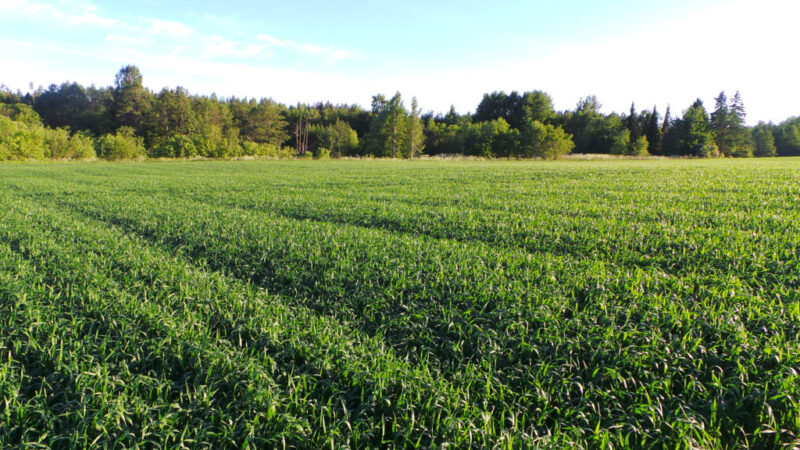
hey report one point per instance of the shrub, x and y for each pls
(639, 146)
(81, 146)
(260, 149)
(322, 153)
(176, 147)
(122, 145)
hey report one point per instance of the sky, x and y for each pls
(446, 52)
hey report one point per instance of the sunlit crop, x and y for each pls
(384, 303)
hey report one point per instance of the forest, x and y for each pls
(129, 121)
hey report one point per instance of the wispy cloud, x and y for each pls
(310, 49)
(171, 28)
(64, 13)
(214, 46)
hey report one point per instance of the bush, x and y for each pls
(178, 146)
(81, 146)
(30, 140)
(544, 140)
(259, 149)
(20, 112)
(20, 140)
(322, 153)
(57, 142)
(122, 145)
(639, 146)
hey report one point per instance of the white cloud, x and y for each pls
(169, 28)
(76, 15)
(122, 39)
(310, 49)
(736, 46)
(218, 46)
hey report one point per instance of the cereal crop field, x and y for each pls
(373, 304)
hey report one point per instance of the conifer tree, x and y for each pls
(653, 133)
(764, 141)
(721, 124)
(697, 135)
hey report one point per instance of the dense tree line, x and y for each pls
(127, 121)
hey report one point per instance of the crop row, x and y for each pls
(457, 305)
(608, 313)
(113, 341)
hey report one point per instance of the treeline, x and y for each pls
(128, 121)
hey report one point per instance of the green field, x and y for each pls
(385, 303)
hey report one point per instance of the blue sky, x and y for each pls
(445, 52)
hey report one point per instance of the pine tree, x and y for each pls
(697, 135)
(632, 124)
(740, 137)
(721, 124)
(653, 133)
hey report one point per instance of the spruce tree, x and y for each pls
(740, 137)
(632, 123)
(653, 133)
(721, 124)
(697, 135)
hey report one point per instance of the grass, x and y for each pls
(404, 304)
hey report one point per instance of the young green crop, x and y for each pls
(368, 304)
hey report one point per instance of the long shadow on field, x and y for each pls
(676, 258)
(266, 273)
(578, 370)
(159, 370)
(335, 394)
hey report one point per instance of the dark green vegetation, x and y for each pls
(318, 304)
(128, 121)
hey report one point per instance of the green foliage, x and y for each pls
(488, 139)
(341, 139)
(262, 122)
(653, 133)
(696, 134)
(502, 126)
(180, 146)
(81, 146)
(416, 135)
(322, 153)
(601, 134)
(131, 102)
(521, 305)
(544, 140)
(515, 109)
(622, 143)
(66, 106)
(121, 145)
(787, 137)
(389, 131)
(20, 112)
(639, 147)
(731, 136)
(21, 139)
(763, 141)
